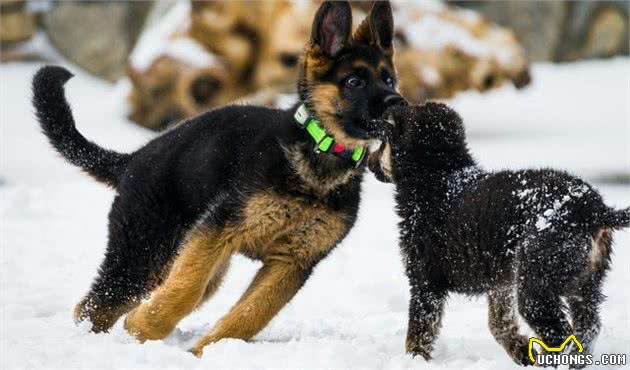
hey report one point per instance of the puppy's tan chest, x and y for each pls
(275, 226)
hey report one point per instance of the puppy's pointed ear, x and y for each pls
(332, 27)
(378, 28)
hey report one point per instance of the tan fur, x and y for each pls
(381, 159)
(316, 64)
(320, 185)
(274, 285)
(307, 236)
(600, 250)
(289, 235)
(386, 161)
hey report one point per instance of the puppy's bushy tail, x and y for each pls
(617, 219)
(55, 117)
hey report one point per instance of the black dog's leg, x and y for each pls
(426, 308)
(584, 309)
(544, 313)
(585, 301)
(504, 325)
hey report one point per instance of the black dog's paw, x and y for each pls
(574, 351)
(519, 352)
(415, 347)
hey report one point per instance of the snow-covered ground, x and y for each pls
(352, 313)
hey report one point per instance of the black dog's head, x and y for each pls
(429, 135)
(347, 79)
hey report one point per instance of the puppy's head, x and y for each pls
(430, 134)
(348, 79)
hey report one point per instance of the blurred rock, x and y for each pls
(594, 29)
(442, 50)
(171, 89)
(16, 23)
(96, 35)
(562, 30)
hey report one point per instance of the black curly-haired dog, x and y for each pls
(280, 186)
(525, 238)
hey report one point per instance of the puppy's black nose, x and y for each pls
(395, 100)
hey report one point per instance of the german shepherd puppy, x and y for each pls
(525, 238)
(279, 186)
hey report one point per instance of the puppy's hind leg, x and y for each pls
(504, 325)
(548, 264)
(202, 257)
(113, 294)
(585, 301)
(140, 247)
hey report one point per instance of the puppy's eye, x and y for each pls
(288, 60)
(390, 82)
(355, 82)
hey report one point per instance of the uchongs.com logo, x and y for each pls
(570, 352)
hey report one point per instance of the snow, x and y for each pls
(352, 313)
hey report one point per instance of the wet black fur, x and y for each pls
(469, 231)
(202, 171)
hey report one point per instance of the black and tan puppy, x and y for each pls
(525, 238)
(282, 187)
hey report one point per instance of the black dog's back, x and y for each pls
(529, 214)
(236, 144)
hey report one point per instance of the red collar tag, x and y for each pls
(338, 148)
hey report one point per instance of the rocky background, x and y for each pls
(245, 57)
(562, 31)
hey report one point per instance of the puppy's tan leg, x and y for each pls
(274, 285)
(504, 326)
(202, 257)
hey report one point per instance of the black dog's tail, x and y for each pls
(616, 219)
(55, 117)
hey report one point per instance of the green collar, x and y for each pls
(324, 142)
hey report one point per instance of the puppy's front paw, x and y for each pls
(416, 347)
(519, 351)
